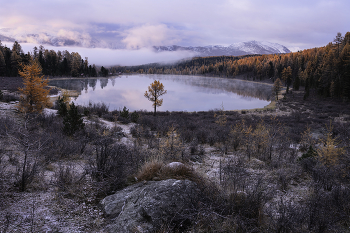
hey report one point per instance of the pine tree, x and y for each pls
(2, 64)
(63, 104)
(72, 121)
(35, 92)
(16, 60)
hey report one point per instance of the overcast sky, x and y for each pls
(297, 24)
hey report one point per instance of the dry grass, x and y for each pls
(149, 170)
(156, 170)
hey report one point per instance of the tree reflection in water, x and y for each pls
(185, 93)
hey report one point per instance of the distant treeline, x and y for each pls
(52, 63)
(325, 69)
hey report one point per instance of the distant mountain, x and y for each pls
(46, 39)
(237, 49)
(5, 38)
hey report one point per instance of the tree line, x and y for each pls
(60, 63)
(325, 69)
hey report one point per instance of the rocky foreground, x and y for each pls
(224, 186)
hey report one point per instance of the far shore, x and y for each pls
(73, 93)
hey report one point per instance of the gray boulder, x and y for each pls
(145, 206)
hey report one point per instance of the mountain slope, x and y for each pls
(237, 49)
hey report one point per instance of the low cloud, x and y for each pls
(83, 38)
(110, 57)
(138, 24)
(149, 35)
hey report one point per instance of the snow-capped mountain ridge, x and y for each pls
(236, 49)
(86, 41)
(253, 46)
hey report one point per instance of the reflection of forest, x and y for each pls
(221, 85)
(205, 84)
(78, 84)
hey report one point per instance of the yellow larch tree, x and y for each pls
(277, 86)
(329, 151)
(155, 90)
(34, 93)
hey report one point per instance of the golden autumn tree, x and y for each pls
(277, 86)
(329, 152)
(287, 76)
(34, 93)
(155, 90)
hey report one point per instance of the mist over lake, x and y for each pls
(184, 93)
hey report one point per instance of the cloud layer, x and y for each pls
(110, 57)
(142, 23)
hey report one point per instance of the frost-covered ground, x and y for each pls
(42, 208)
(45, 211)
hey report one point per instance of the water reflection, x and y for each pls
(184, 93)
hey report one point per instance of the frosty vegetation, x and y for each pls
(279, 170)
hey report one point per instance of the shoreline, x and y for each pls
(73, 93)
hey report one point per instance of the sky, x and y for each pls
(134, 26)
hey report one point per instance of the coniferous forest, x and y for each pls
(61, 63)
(325, 69)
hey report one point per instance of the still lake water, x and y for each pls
(184, 93)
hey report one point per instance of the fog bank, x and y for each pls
(110, 57)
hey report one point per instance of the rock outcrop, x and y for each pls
(145, 206)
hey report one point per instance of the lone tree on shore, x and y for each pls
(155, 90)
(35, 92)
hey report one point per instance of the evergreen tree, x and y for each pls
(62, 107)
(72, 121)
(2, 64)
(104, 71)
(296, 83)
(15, 63)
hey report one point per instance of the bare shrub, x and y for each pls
(171, 147)
(285, 216)
(245, 208)
(325, 177)
(98, 109)
(283, 178)
(7, 124)
(327, 211)
(63, 147)
(112, 165)
(235, 174)
(8, 97)
(5, 178)
(30, 142)
(68, 181)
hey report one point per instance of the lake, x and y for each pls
(184, 93)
